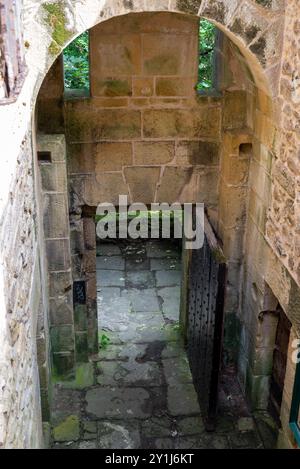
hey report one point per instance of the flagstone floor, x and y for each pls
(139, 393)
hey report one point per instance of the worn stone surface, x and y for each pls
(144, 396)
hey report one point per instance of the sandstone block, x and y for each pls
(55, 216)
(235, 170)
(235, 110)
(114, 55)
(89, 124)
(54, 177)
(142, 86)
(105, 187)
(61, 310)
(193, 123)
(153, 152)
(142, 182)
(172, 183)
(111, 87)
(175, 86)
(112, 156)
(58, 254)
(197, 153)
(161, 57)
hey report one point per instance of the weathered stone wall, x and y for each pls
(20, 406)
(144, 132)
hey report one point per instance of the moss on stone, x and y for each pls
(68, 430)
(56, 19)
(117, 88)
(84, 377)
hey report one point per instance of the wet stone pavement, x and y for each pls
(138, 393)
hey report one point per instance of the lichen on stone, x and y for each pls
(189, 6)
(68, 430)
(56, 18)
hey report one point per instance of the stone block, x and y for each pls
(63, 364)
(161, 54)
(175, 86)
(197, 153)
(258, 390)
(258, 211)
(62, 339)
(235, 170)
(61, 310)
(59, 283)
(142, 86)
(80, 317)
(80, 158)
(142, 182)
(218, 10)
(189, 6)
(53, 177)
(112, 156)
(111, 87)
(56, 216)
(182, 123)
(113, 55)
(81, 347)
(232, 205)
(56, 144)
(172, 183)
(90, 124)
(207, 186)
(235, 110)
(248, 23)
(147, 153)
(105, 187)
(58, 254)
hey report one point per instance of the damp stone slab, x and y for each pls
(110, 278)
(109, 402)
(110, 263)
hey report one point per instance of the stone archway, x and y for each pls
(256, 28)
(237, 152)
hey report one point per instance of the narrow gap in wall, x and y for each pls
(77, 67)
(206, 65)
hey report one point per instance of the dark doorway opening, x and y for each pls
(279, 364)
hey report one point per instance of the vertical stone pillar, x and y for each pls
(233, 195)
(52, 163)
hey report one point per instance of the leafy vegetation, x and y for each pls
(76, 63)
(207, 40)
(104, 341)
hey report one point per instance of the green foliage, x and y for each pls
(104, 341)
(207, 40)
(76, 63)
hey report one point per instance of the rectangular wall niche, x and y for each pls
(44, 156)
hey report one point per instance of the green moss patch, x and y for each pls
(68, 430)
(56, 19)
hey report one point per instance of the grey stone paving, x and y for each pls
(138, 393)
